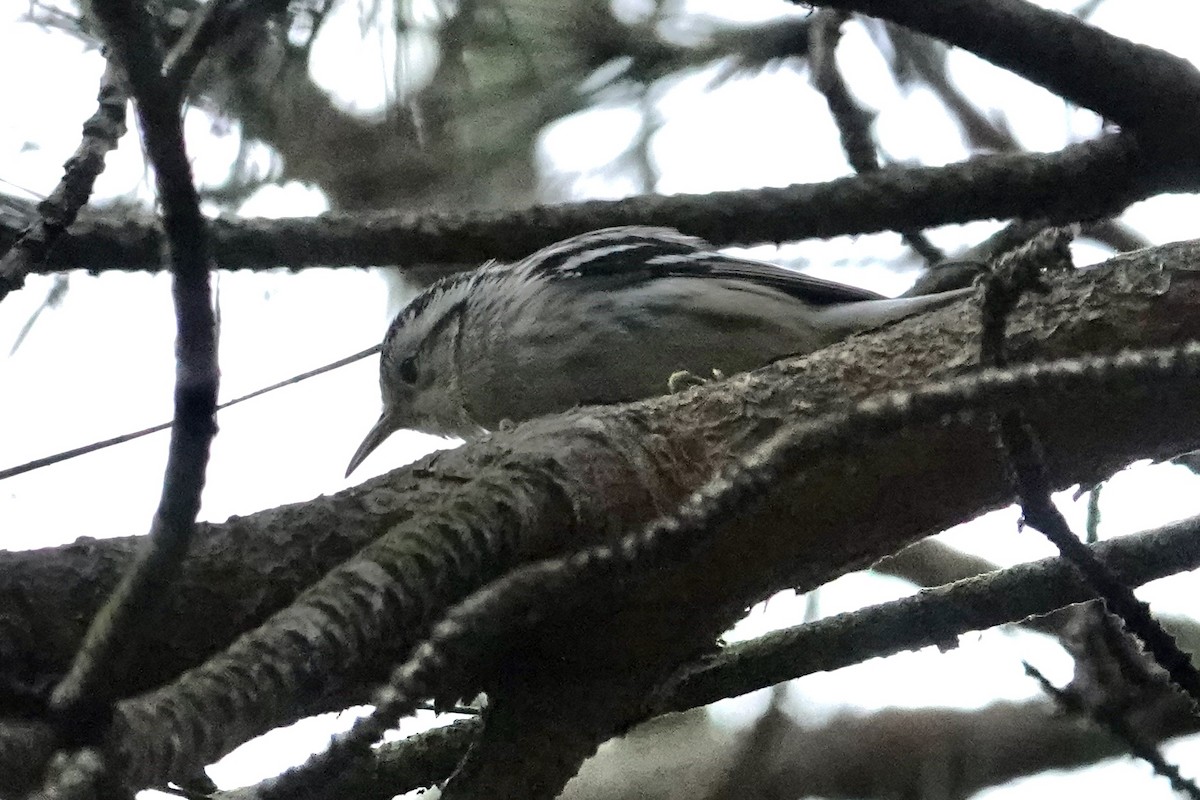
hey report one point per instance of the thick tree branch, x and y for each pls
(648, 456)
(1139, 87)
(891, 753)
(462, 646)
(929, 618)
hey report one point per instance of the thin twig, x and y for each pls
(1116, 724)
(211, 21)
(58, 290)
(1016, 273)
(931, 617)
(101, 132)
(1040, 512)
(1093, 514)
(852, 120)
(927, 58)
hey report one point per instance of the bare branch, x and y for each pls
(57, 212)
(1140, 88)
(1103, 177)
(852, 120)
(86, 690)
(1015, 274)
(930, 618)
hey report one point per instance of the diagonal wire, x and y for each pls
(46, 461)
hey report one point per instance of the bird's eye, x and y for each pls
(408, 370)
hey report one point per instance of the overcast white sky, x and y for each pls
(101, 363)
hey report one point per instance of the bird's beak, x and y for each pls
(382, 429)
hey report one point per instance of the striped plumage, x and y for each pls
(603, 317)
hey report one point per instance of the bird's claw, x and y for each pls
(682, 379)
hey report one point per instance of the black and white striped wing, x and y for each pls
(637, 253)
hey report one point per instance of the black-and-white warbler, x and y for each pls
(603, 317)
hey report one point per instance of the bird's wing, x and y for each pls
(638, 253)
(805, 287)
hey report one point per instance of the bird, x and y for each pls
(600, 318)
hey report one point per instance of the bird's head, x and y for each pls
(418, 369)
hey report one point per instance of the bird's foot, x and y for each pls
(682, 379)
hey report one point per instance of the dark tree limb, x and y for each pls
(1137, 300)
(1085, 181)
(934, 617)
(56, 213)
(1141, 88)
(81, 700)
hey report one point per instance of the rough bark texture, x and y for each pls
(928, 752)
(620, 467)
